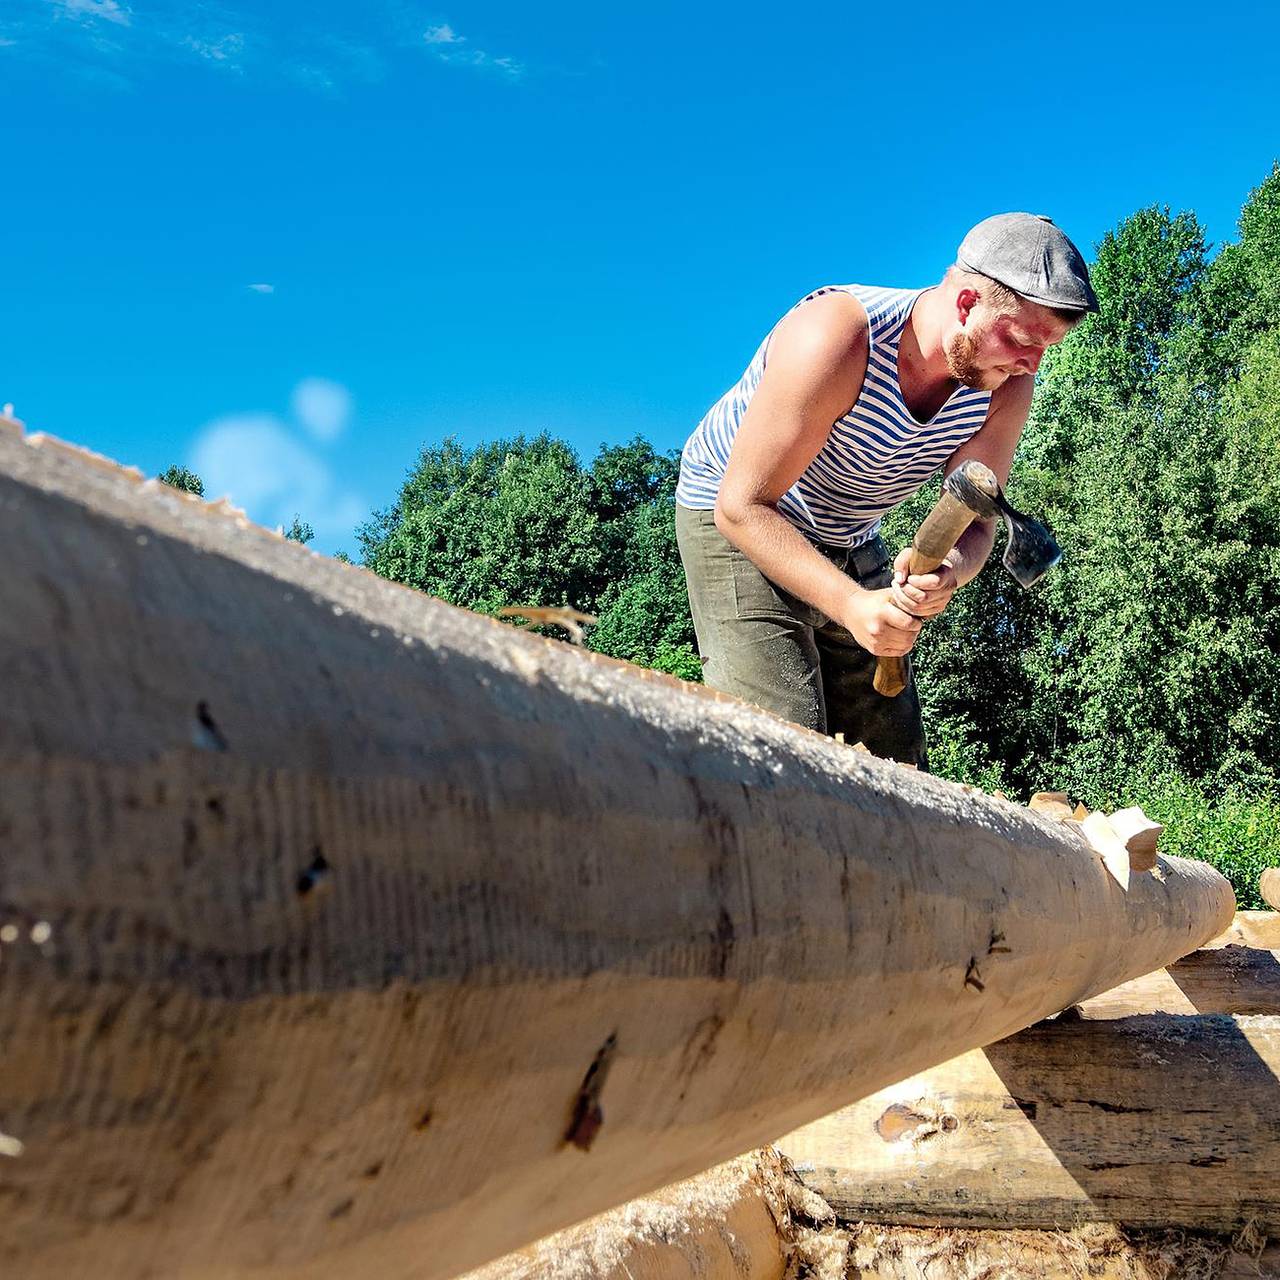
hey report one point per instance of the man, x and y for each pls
(852, 402)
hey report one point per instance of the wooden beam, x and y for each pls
(1230, 979)
(1269, 887)
(1154, 1120)
(1251, 929)
(355, 934)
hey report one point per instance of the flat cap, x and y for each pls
(1025, 252)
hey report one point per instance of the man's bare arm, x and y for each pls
(816, 363)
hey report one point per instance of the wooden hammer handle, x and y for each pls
(938, 533)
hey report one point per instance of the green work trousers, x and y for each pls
(763, 645)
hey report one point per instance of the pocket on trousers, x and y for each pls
(757, 599)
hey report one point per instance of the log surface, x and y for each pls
(1227, 979)
(1251, 929)
(1153, 1120)
(725, 1224)
(348, 933)
(1269, 887)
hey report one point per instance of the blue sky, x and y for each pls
(292, 243)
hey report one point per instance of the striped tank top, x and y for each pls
(877, 454)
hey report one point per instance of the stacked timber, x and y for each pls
(343, 932)
(1154, 1105)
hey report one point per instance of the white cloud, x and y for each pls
(444, 41)
(93, 10)
(224, 49)
(274, 473)
(322, 407)
(483, 61)
(263, 288)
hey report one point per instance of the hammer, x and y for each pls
(971, 492)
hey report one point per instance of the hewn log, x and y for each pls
(359, 935)
(1154, 1121)
(1230, 979)
(1269, 887)
(725, 1224)
(1251, 929)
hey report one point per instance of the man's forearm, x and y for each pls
(783, 554)
(971, 551)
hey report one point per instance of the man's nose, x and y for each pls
(1031, 361)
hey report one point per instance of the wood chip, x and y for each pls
(1052, 804)
(1139, 834)
(570, 619)
(1102, 836)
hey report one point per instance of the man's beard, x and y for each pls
(963, 367)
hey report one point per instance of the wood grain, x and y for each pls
(1153, 1120)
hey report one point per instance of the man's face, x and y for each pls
(991, 347)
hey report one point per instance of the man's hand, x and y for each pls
(924, 595)
(879, 625)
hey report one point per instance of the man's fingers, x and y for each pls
(901, 620)
(892, 648)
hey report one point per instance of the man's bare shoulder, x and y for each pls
(1012, 398)
(827, 333)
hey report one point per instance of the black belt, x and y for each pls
(863, 561)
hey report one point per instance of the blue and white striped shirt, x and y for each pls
(877, 455)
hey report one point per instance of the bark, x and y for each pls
(353, 934)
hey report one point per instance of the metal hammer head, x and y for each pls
(1031, 551)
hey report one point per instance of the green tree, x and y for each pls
(503, 524)
(182, 478)
(520, 521)
(640, 598)
(300, 531)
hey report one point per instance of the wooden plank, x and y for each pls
(359, 935)
(1153, 1121)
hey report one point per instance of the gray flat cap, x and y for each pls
(1025, 252)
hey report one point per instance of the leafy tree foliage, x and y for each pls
(300, 531)
(521, 521)
(182, 478)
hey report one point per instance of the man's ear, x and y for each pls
(966, 300)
